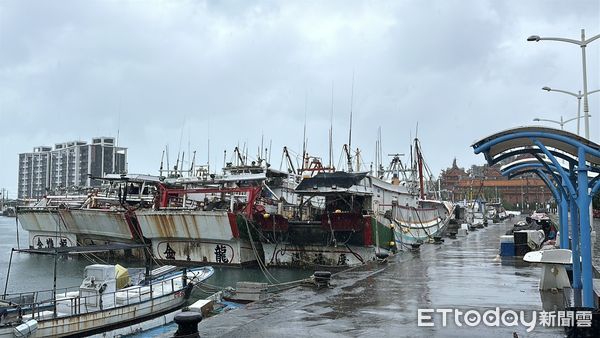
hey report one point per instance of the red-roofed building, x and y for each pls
(487, 182)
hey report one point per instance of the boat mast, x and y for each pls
(239, 159)
(420, 167)
(208, 148)
(192, 165)
(304, 159)
(290, 164)
(260, 151)
(168, 168)
(181, 168)
(349, 157)
(331, 130)
(160, 170)
(270, 151)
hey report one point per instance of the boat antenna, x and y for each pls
(376, 160)
(417, 131)
(304, 132)
(420, 168)
(208, 146)
(208, 156)
(189, 150)
(270, 150)
(168, 168)
(193, 162)
(262, 139)
(380, 151)
(350, 130)
(179, 150)
(160, 170)
(181, 168)
(331, 130)
(244, 153)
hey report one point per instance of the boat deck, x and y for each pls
(383, 299)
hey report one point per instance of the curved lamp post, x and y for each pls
(578, 96)
(561, 122)
(581, 43)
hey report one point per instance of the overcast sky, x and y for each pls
(232, 71)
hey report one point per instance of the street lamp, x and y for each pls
(561, 122)
(583, 43)
(578, 96)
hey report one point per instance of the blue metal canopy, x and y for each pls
(563, 160)
(547, 173)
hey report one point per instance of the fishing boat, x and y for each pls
(419, 219)
(211, 220)
(476, 216)
(43, 223)
(109, 297)
(496, 212)
(108, 217)
(211, 227)
(101, 216)
(337, 223)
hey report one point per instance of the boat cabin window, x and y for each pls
(96, 273)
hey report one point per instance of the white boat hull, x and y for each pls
(420, 225)
(94, 226)
(45, 228)
(196, 237)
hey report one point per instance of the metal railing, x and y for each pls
(69, 302)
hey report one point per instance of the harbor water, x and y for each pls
(34, 272)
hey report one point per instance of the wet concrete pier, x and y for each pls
(383, 299)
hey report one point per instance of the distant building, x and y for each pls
(486, 182)
(68, 165)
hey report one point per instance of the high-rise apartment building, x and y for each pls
(69, 164)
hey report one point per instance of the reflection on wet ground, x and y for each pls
(383, 299)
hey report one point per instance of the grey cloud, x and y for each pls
(236, 70)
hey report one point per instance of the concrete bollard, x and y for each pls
(415, 246)
(187, 324)
(322, 278)
(382, 256)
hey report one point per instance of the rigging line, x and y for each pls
(147, 249)
(408, 227)
(422, 226)
(353, 253)
(261, 265)
(333, 240)
(89, 256)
